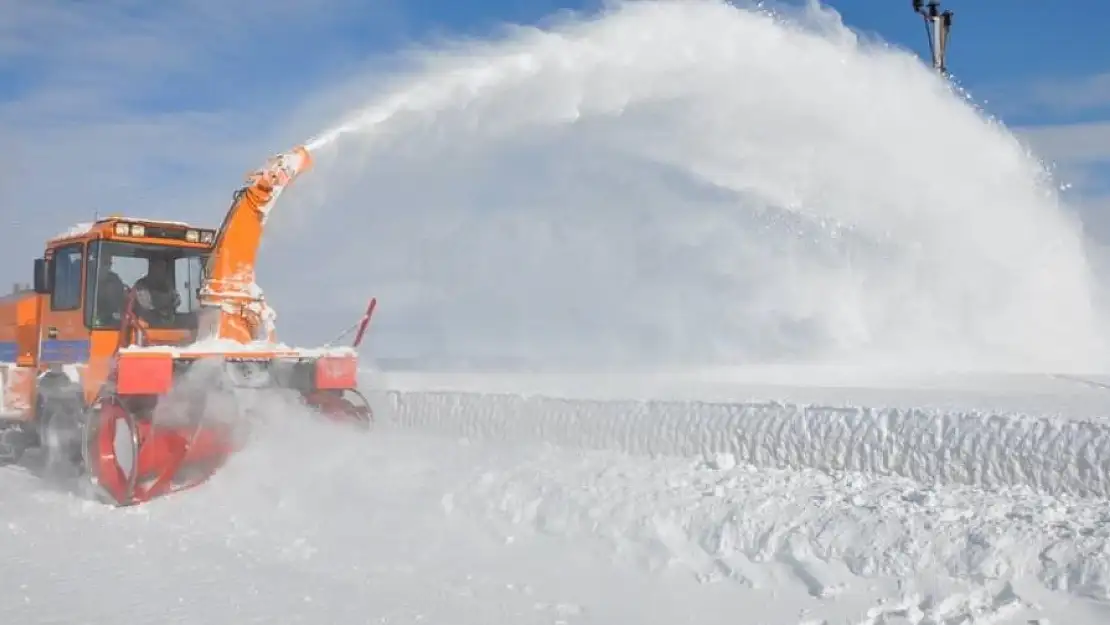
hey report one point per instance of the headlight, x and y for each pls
(192, 236)
(138, 230)
(207, 236)
(123, 229)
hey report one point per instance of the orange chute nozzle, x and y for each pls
(305, 158)
(282, 168)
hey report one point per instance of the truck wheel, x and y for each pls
(60, 413)
(13, 442)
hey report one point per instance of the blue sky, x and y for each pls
(154, 108)
(1041, 67)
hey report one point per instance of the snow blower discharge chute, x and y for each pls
(128, 359)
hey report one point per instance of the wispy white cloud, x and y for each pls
(1079, 143)
(1058, 98)
(1071, 95)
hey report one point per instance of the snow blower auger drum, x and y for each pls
(156, 430)
(133, 452)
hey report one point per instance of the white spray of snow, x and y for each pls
(689, 182)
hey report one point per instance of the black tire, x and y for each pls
(14, 440)
(60, 412)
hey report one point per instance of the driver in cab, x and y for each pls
(155, 295)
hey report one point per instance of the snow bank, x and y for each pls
(987, 450)
(757, 526)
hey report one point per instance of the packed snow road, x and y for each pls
(457, 510)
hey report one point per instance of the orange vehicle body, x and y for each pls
(49, 333)
(79, 348)
(19, 347)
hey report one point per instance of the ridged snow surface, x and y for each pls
(1047, 454)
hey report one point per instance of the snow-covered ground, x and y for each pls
(502, 508)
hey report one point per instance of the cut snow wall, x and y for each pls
(930, 446)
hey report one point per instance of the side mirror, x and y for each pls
(42, 277)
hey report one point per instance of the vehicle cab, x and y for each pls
(86, 274)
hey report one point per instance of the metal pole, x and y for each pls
(938, 24)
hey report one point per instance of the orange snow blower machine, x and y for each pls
(116, 361)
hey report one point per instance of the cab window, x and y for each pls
(66, 294)
(170, 276)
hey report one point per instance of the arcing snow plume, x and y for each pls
(691, 182)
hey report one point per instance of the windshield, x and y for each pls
(165, 280)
